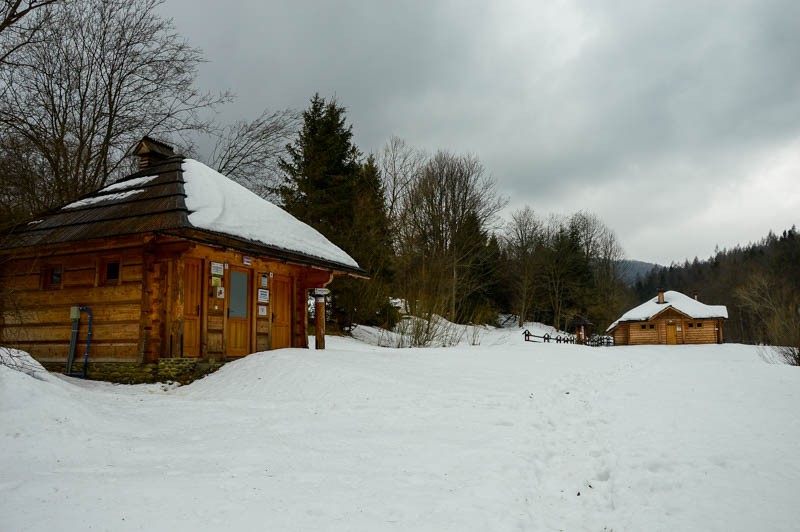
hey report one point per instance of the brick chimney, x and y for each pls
(660, 296)
(152, 152)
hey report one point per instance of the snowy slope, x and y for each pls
(507, 435)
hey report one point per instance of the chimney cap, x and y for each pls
(152, 152)
(151, 146)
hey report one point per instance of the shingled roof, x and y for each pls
(154, 200)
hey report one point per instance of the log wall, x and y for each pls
(687, 331)
(139, 318)
(36, 317)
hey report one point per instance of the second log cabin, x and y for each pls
(670, 318)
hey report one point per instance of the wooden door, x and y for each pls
(281, 302)
(192, 307)
(672, 334)
(238, 326)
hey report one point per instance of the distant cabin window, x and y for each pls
(644, 326)
(51, 277)
(691, 325)
(652, 325)
(699, 324)
(109, 272)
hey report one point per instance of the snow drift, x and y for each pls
(507, 435)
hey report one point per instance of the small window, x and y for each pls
(644, 326)
(691, 325)
(699, 325)
(652, 325)
(51, 276)
(109, 271)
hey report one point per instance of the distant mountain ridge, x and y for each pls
(633, 270)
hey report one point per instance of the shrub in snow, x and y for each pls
(433, 331)
(22, 361)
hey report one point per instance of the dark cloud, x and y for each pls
(644, 112)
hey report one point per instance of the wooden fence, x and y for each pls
(593, 341)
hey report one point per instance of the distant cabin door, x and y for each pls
(238, 326)
(282, 311)
(192, 288)
(672, 334)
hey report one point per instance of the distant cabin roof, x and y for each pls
(676, 300)
(182, 197)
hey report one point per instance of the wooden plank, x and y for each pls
(77, 296)
(262, 342)
(192, 311)
(99, 352)
(131, 272)
(60, 315)
(281, 304)
(83, 277)
(119, 331)
(215, 342)
(144, 351)
(132, 259)
(215, 323)
(27, 281)
(204, 310)
(300, 316)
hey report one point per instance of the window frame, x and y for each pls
(103, 279)
(47, 276)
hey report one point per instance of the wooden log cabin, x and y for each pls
(670, 318)
(181, 268)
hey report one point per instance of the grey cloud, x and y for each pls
(553, 98)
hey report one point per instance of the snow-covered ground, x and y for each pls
(505, 435)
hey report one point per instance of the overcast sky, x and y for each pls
(677, 123)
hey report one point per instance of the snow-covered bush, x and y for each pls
(21, 361)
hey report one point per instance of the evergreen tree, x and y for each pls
(327, 186)
(369, 242)
(320, 175)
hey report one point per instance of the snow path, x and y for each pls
(501, 436)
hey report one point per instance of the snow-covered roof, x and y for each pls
(676, 300)
(177, 195)
(216, 203)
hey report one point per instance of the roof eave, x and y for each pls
(259, 248)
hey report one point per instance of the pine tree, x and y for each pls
(359, 301)
(320, 175)
(327, 186)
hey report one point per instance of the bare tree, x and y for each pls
(445, 219)
(249, 151)
(99, 76)
(600, 245)
(16, 25)
(400, 166)
(777, 308)
(522, 238)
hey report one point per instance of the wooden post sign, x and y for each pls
(319, 316)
